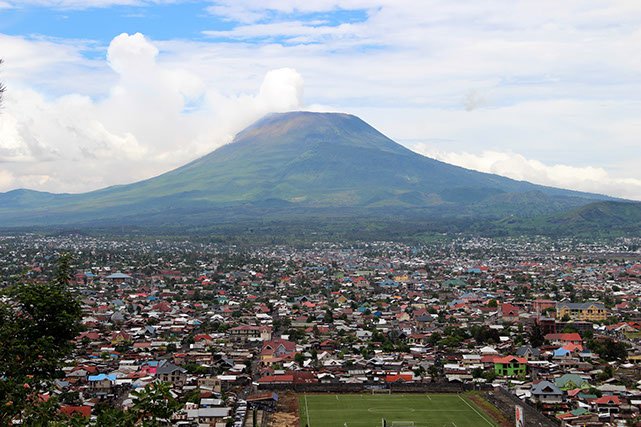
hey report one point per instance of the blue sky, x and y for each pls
(187, 20)
(120, 90)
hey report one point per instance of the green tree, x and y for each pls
(328, 317)
(37, 325)
(64, 272)
(536, 336)
(154, 405)
(477, 372)
(114, 417)
(609, 349)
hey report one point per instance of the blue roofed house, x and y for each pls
(389, 283)
(561, 353)
(101, 383)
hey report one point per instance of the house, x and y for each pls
(245, 333)
(209, 416)
(607, 405)
(101, 383)
(274, 350)
(510, 366)
(399, 378)
(213, 383)
(578, 417)
(509, 312)
(586, 311)
(168, 372)
(212, 416)
(546, 392)
(564, 338)
(561, 353)
(571, 381)
(528, 352)
(276, 379)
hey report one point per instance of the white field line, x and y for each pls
(428, 396)
(307, 412)
(474, 409)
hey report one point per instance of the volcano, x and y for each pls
(301, 163)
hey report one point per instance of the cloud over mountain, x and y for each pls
(151, 118)
(556, 85)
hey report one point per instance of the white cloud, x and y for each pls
(552, 81)
(589, 178)
(282, 90)
(6, 179)
(143, 127)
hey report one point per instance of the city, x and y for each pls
(239, 333)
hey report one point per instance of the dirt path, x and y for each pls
(286, 414)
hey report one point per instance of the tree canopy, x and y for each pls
(37, 325)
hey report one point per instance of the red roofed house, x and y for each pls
(276, 350)
(399, 378)
(607, 404)
(563, 339)
(509, 312)
(295, 377)
(574, 348)
(276, 379)
(205, 338)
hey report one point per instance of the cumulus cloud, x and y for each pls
(154, 117)
(281, 90)
(589, 178)
(556, 84)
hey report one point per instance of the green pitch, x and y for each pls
(368, 410)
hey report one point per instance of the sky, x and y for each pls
(106, 92)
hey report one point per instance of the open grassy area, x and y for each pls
(367, 410)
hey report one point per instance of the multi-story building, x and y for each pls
(586, 311)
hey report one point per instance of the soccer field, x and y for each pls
(368, 410)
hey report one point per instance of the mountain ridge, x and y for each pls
(299, 160)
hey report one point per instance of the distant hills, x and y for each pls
(315, 165)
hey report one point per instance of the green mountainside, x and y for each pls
(298, 165)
